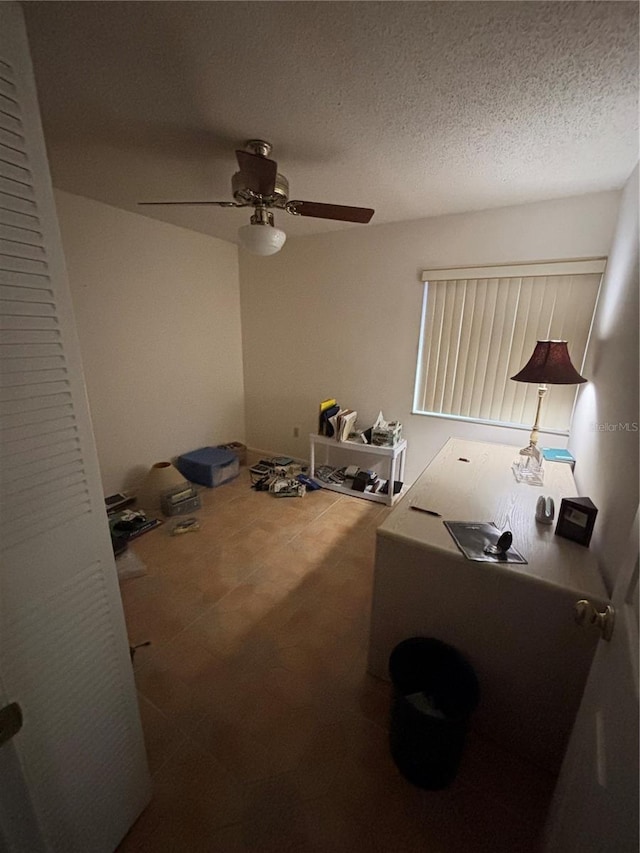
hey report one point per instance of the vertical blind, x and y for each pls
(480, 326)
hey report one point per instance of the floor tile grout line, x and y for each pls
(258, 568)
(170, 722)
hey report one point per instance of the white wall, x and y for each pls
(158, 315)
(338, 315)
(604, 435)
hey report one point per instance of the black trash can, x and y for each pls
(435, 693)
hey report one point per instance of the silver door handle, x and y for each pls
(586, 614)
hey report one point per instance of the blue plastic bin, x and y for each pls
(208, 466)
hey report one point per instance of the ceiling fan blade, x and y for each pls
(343, 212)
(258, 173)
(217, 203)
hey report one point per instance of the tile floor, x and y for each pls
(263, 730)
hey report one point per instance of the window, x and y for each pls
(480, 326)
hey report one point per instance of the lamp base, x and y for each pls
(527, 468)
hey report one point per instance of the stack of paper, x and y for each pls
(343, 423)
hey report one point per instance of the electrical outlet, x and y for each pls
(296, 432)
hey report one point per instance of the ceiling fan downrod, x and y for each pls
(261, 216)
(259, 147)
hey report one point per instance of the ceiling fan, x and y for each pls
(259, 185)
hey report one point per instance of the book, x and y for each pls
(558, 454)
(150, 524)
(129, 524)
(322, 417)
(119, 501)
(346, 423)
(333, 421)
(325, 426)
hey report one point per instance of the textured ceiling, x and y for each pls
(413, 108)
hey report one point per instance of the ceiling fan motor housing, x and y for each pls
(244, 195)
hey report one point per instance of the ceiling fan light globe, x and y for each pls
(261, 239)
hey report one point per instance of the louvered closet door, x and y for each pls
(63, 645)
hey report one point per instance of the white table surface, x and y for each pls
(485, 489)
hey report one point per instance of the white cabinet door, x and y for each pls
(595, 807)
(77, 768)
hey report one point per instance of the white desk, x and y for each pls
(514, 623)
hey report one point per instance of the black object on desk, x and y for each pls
(427, 511)
(576, 518)
(472, 538)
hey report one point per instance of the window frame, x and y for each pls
(583, 266)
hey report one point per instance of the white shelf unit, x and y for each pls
(394, 456)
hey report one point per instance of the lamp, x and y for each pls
(161, 477)
(550, 364)
(261, 237)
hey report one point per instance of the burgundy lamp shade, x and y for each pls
(550, 365)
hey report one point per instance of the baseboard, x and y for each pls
(255, 454)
